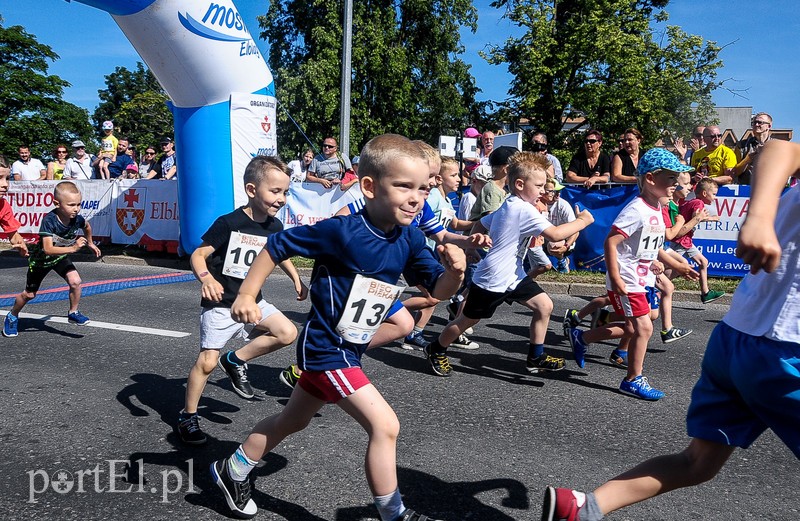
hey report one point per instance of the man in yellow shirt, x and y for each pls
(715, 160)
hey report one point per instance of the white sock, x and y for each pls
(390, 506)
(239, 465)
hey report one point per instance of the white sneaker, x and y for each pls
(462, 342)
(468, 331)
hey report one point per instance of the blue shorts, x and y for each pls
(747, 385)
(397, 306)
(653, 297)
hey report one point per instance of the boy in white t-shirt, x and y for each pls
(500, 276)
(735, 400)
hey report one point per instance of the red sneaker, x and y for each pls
(562, 504)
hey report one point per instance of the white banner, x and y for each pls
(253, 133)
(309, 203)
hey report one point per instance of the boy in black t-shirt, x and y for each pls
(221, 263)
(58, 237)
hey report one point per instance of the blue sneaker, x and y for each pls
(578, 346)
(619, 358)
(415, 341)
(78, 318)
(10, 326)
(562, 266)
(639, 387)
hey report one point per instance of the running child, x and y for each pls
(58, 237)
(705, 192)
(735, 400)
(8, 222)
(500, 276)
(358, 260)
(221, 263)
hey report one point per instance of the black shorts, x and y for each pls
(36, 274)
(482, 304)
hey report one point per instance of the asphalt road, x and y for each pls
(77, 403)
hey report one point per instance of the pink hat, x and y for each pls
(471, 132)
(133, 167)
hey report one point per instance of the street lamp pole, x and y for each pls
(344, 102)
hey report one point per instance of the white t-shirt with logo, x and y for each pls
(560, 212)
(643, 227)
(510, 226)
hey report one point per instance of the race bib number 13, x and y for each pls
(243, 249)
(366, 308)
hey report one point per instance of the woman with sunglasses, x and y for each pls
(148, 162)
(55, 168)
(590, 165)
(623, 166)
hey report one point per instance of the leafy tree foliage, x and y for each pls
(136, 103)
(605, 62)
(407, 77)
(32, 110)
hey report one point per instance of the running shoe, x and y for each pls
(238, 375)
(10, 326)
(410, 515)
(440, 363)
(619, 358)
(674, 333)
(571, 320)
(237, 493)
(578, 346)
(290, 376)
(562, 504)
(711, 296)
(463, 342)
(78, 318)
(414, 341)
(544, 363)
(188, 429)
(639, 387)
(562, 266)
(599, 318)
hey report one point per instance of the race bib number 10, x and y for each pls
(243, 249)
(366, 308)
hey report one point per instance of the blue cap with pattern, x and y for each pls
(660, 159)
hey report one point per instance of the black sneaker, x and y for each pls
(674, 333)
(238, 375)
(439, 362)
(237, 493)
(410, 515)
(544, 363)
(189, 431)
(571, 319)
(452, 309)
(599, 318)
(290, 376)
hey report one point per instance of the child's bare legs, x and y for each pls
(274, 332)
(639, 329)
(371, 411)
(702, 269)
(699, 462)
(74, 281)
(542, 307)
(22, 299)
(269, 432)
(397, 326)
(198, 377)
(593, 305)
(457, 326)
(103, 167)
(424, 305)
(667, 288)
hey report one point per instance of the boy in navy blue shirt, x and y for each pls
(358, 260)
(58, 237)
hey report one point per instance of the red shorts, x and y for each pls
(631, 305)
(331, 386)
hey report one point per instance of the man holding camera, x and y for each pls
(747, 149)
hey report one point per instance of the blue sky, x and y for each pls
(760, 60)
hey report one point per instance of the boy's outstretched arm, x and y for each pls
(455, 262)
(289, 269)
(87, 232)
(18, 243)
(211, 288)
(564, 231)
(679, 266)
(245, 309)
(758, 244)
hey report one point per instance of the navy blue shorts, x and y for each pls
(747, 385)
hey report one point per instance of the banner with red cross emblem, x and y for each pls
(130, 209)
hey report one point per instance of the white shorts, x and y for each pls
(537, 258)
(217, 326)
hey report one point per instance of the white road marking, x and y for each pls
(105, 325)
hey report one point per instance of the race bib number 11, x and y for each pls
(243, 249)
(366, 308)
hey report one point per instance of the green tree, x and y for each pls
(407, 76)
(608, 62)
(32, 110)
(136, 103)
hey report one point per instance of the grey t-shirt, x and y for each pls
(333, 168)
